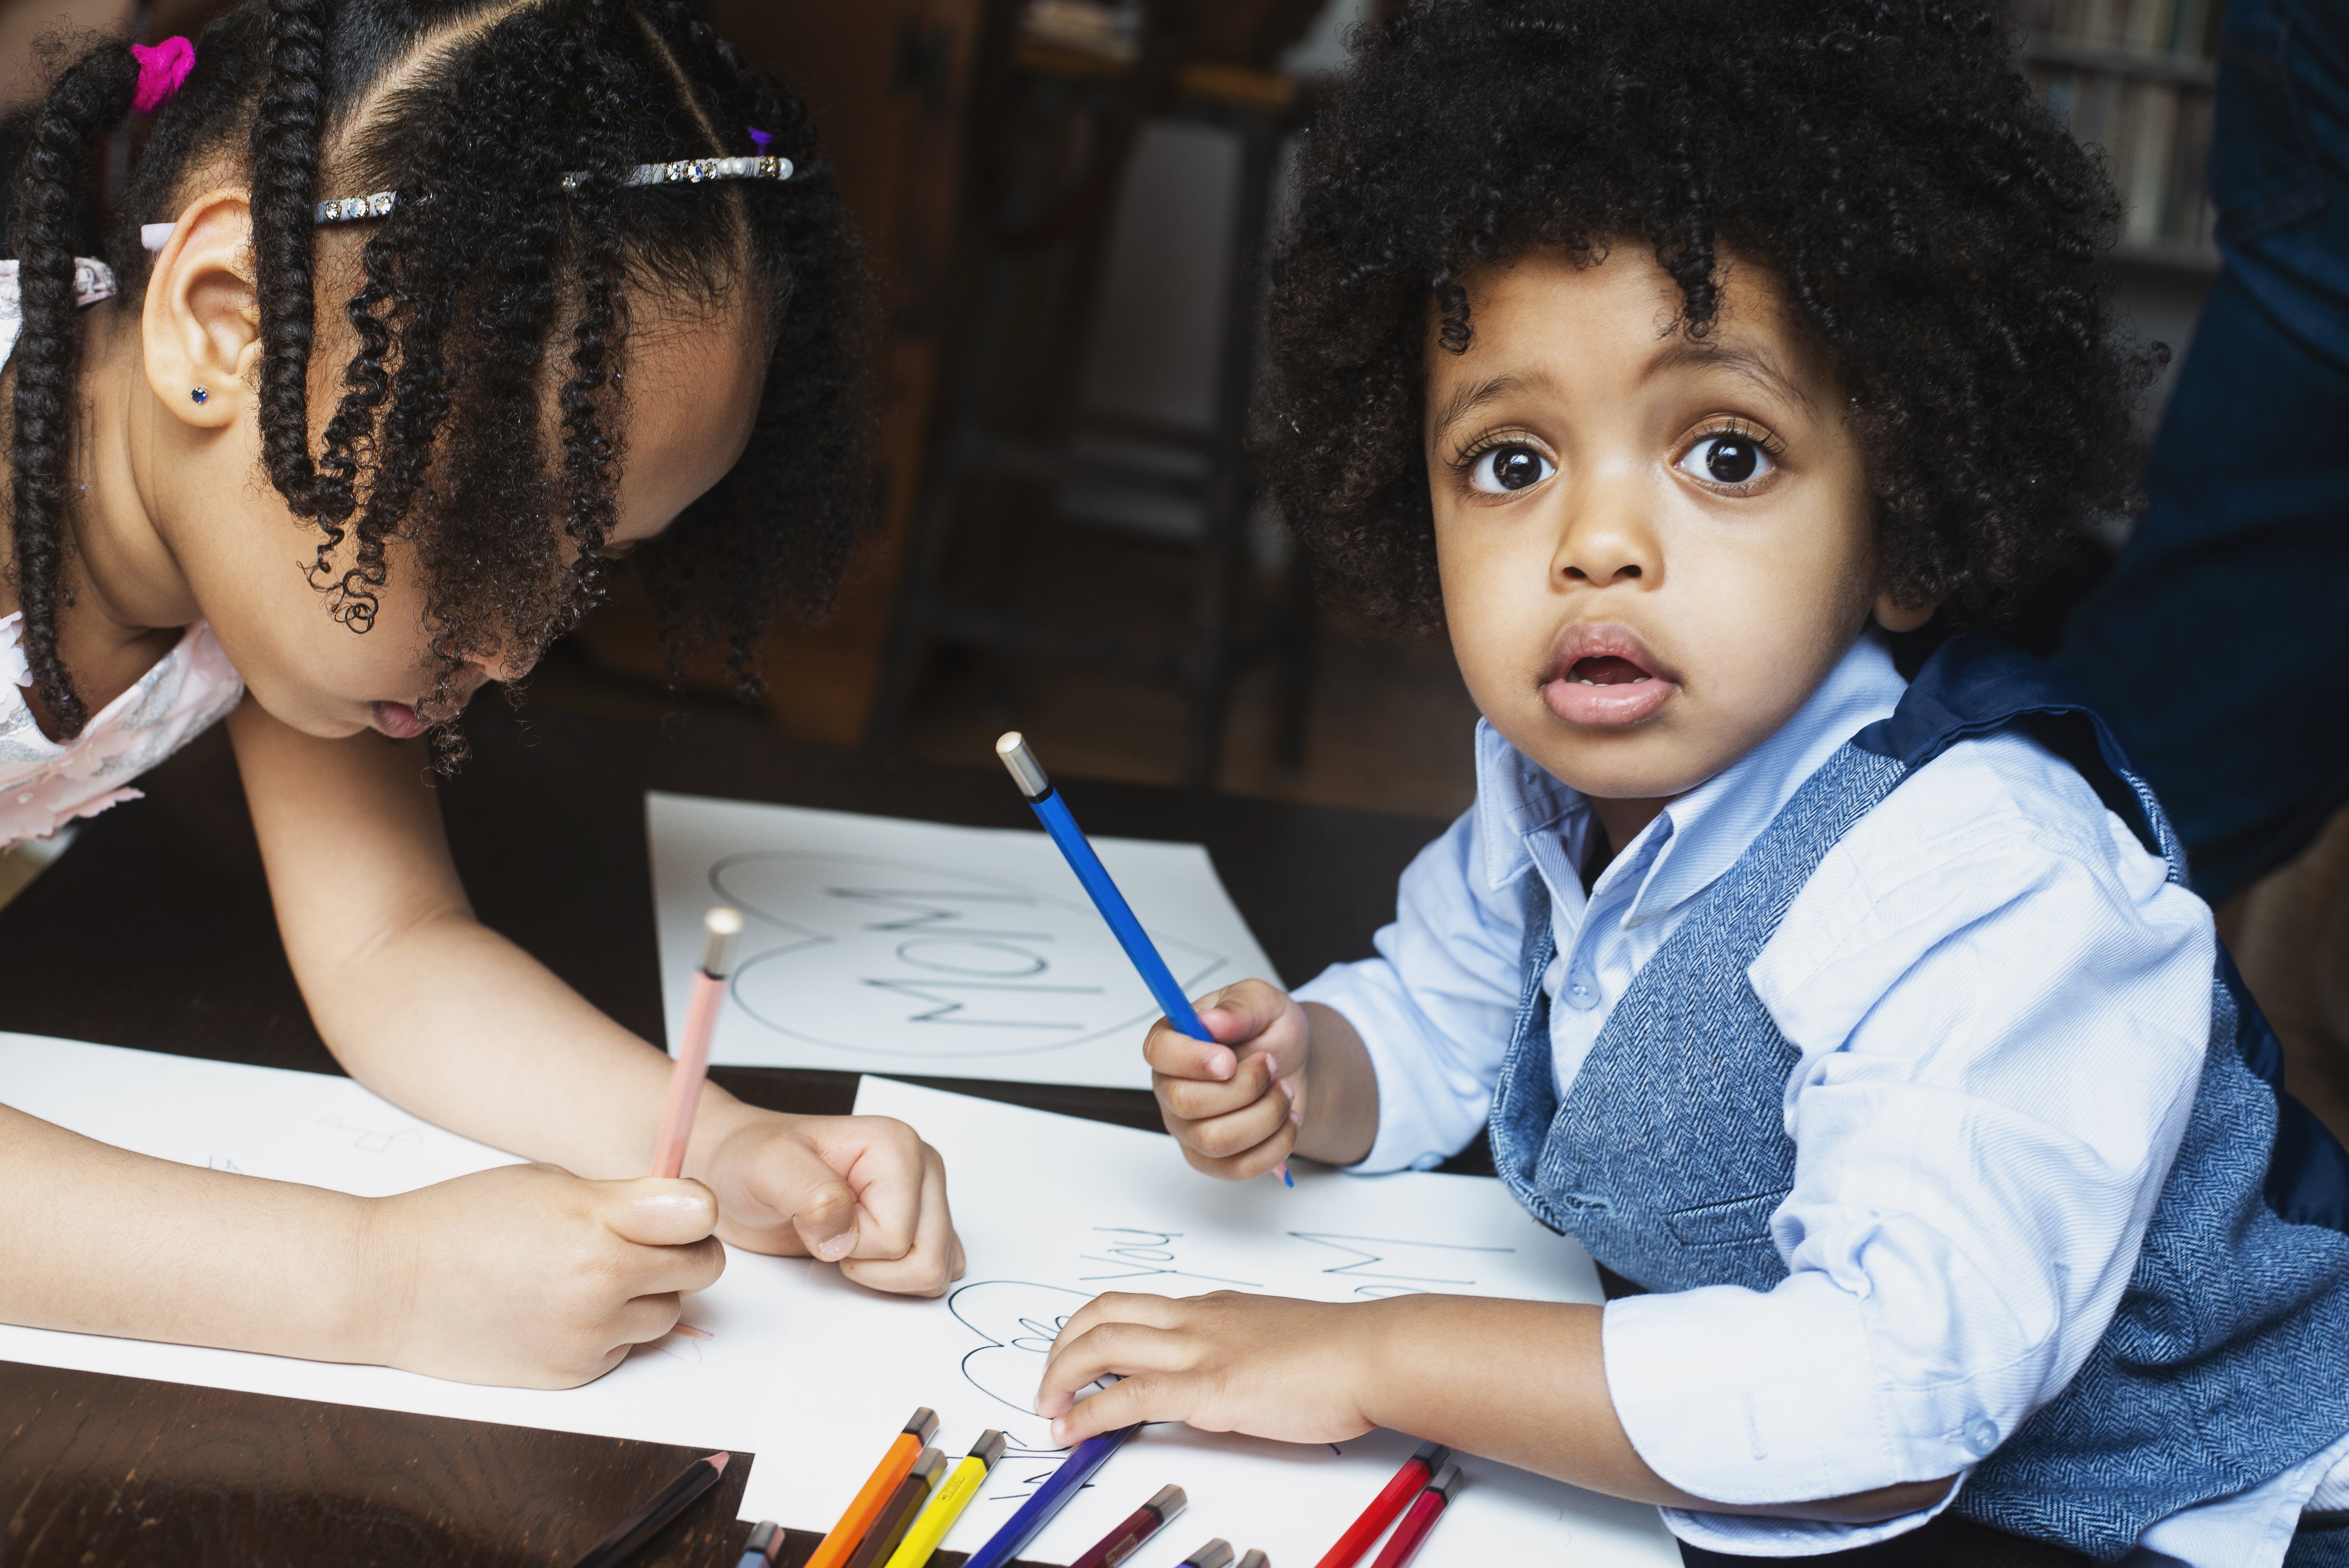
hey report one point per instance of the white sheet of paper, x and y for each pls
(814, 1374)
(1052, 1211)
(330, 1132)
(881, 945)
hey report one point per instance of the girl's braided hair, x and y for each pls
(487, 268)
(1930, 222)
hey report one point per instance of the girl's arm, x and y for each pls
(103, 1241)
(520, 1275)
(438, 1013)
(1522, 1382)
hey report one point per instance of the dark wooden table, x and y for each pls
(155, 931)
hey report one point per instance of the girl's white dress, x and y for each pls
(45, 783)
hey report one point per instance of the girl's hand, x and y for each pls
(529, 1275)
(1266, 1366)
(1233, 1104)
(862, 1191)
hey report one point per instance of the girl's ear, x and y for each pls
(1892, 615)
(201, 325)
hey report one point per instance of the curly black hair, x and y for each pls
(1929, 222)
(489, 264)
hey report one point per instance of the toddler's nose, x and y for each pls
(1606, 544)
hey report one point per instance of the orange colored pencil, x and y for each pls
(879, 1487)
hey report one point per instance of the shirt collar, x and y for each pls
(1700, 836)
(1518, 799)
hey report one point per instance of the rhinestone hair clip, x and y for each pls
(684, 171)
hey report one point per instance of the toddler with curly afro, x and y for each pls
(1680, 356)
(1930, 227)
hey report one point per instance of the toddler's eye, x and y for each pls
(1508, 467)
(1729, 457)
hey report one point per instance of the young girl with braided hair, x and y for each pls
(413, 319)
(1697, 364)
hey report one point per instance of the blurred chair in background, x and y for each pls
(1066, 89)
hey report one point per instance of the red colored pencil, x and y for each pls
(1416, 1472)
(1412, 1533)
(1139, 1526)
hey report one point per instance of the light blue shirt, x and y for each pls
(2000, 1005)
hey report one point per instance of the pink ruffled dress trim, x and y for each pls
(45, 783)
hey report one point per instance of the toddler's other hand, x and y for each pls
(863, 1191)
(529, 1276)
(1234, 1103)
(1230, 1362)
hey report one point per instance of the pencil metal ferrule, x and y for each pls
(1168, 1501)
(922, 1425)
(1215, 1553)
(720, 929)
(989, 1449)
(1026, 771)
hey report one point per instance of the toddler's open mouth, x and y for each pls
(1604, 675)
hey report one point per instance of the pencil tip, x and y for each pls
(1287, 1179)
(717, 1461)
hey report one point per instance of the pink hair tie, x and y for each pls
(161, 69)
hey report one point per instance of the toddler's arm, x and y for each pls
(440, 1014)
(1392, 1059)
(1522, 1382)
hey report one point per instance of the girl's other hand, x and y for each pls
(1234, 1103)
(864, 1193)
(529, 1275)
(1266, 1366)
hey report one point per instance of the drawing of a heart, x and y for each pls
(1018, 1321)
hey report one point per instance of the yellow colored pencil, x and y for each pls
(954, 1495)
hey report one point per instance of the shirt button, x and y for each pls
(1982, 1436)
(1580, 992)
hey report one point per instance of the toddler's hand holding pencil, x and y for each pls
(1234, 1103)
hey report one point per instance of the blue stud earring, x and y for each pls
(198, 395)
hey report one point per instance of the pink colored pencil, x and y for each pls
(720, 927)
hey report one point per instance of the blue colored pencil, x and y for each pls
(1051, 1497)
(1053, 812)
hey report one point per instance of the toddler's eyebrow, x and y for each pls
(1753, 364)
(1467, 400)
